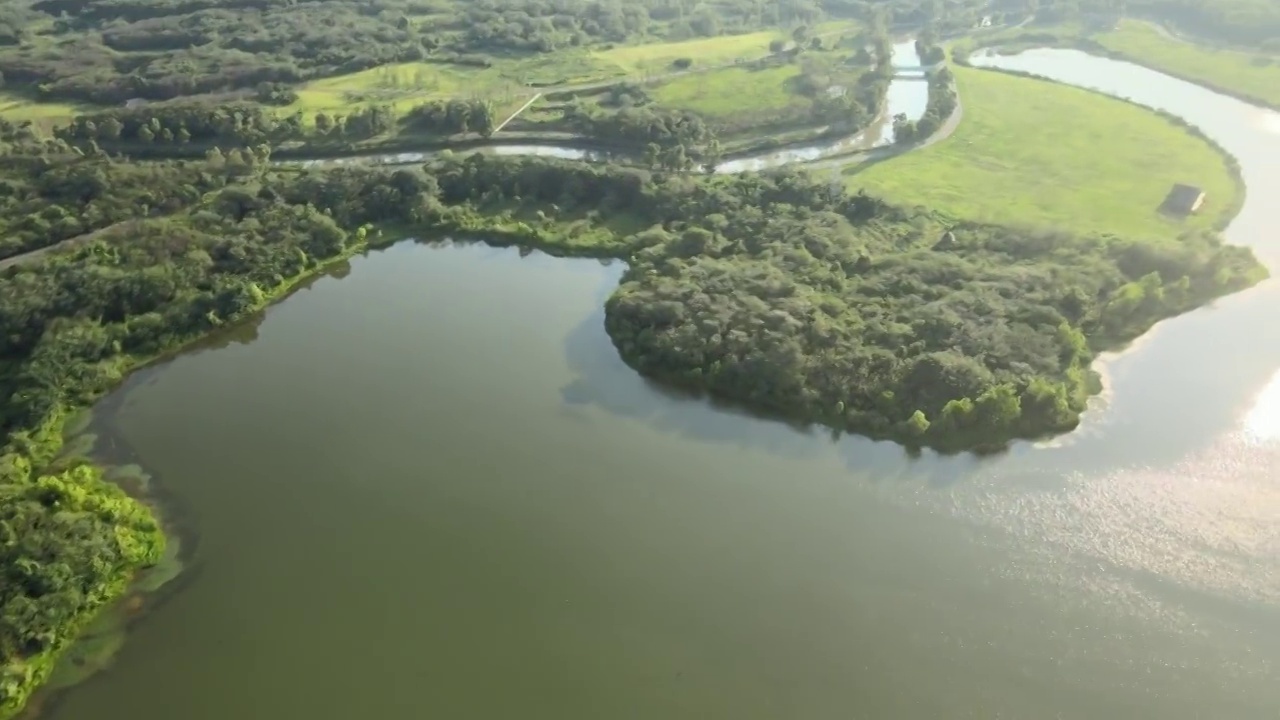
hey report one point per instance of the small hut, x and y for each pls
(1183, 200)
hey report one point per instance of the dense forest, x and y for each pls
(112, 51)
(50, 192)
(172, 129)
(109, 51)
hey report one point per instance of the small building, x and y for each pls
(1183, 200)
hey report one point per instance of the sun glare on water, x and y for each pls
(1262, 422)
(1270, 122)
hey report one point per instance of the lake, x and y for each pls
(426, 486)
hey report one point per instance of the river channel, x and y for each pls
(908, 94)
(426, 486)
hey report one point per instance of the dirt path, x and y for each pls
(34, 255)
(523, 107)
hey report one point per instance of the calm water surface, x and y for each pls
(431, 489)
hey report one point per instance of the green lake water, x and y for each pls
(430, 489)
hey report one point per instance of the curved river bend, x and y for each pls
(431, 489)
(908, 94)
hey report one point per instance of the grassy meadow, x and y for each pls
(1030, 152)
(656, 58)
(1253, 74)
(16, 108)
(404, 85)
(723, 93)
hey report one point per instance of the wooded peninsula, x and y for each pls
(142, 209)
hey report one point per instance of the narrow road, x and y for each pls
(27, 257)
(32, 255)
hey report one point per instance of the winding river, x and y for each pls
(908, 94)
(429, 488)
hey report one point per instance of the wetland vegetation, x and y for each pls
(952, 298)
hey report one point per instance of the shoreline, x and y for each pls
(1106, 359)
(161, 513)
(137, 365)
(1087, 44)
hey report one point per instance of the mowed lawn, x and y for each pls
(1256, 75)
(1030, 152)
(730, 91)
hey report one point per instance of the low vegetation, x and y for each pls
(1038, 154)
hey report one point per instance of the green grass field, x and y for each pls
(654, 58)
(1256, 75)
(16, 108)
(658, 57)
(1029, 152)
(729, 91)
(404, 85)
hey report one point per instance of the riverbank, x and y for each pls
(1251, 77)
